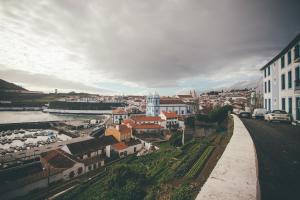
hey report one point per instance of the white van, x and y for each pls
(259, 113)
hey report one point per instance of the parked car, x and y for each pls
(259, 113)
(278, 115)
(244, 114)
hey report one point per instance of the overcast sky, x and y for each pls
(137, 46)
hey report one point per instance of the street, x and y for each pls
(278, 151)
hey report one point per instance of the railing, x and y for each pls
(297, 84)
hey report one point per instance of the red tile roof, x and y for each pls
(171, 101)
(119, 111)
(170, 115)
(120, 146)
(146, 118)
(147, 126)
(128, 122)
(57, 159)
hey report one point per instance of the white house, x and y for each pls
(171, 120)
(281, 80)
(118, 115)
(128, 147)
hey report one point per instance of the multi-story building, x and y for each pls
(281, 80)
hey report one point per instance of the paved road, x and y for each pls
(278, 151)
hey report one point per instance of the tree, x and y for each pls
(176, 139)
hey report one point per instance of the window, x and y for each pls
(182, 112)
(269, 86)
(297, 52)
(265, 87)
(282, 62)
(269, 71)
(283, 103)
(289, 57)
(282, 81)
(269, 104)
(290, 79)
(290, 105)
(265, 70)
(297, 77)
(266, 106)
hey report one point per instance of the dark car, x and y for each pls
(245, 114)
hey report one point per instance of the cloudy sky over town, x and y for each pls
(138, 46)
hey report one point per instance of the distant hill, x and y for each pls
(244, 84)
(4, 85)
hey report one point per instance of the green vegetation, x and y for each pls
(147, 177)
(200, 162)
(218, 114)
(183, 192)
(176, 139)
(83, 105)
(169, 173)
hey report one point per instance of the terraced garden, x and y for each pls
(169, 173)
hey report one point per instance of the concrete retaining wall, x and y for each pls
(235, 176)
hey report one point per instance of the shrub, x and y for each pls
(176, 139)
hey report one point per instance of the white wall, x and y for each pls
(117, 117)
(181, 109)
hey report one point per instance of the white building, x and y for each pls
(118, 115)
(281, 80)
(156, 105)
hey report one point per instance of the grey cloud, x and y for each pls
(159, 43)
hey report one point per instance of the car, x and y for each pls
(244, 114)
(259, 113)
(278, 115)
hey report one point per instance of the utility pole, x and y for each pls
(182, 136)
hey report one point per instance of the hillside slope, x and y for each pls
(4, 85)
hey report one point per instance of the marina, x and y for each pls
(19, 140)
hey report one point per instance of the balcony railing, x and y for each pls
(297, 84)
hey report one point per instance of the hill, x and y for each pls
(4, 85)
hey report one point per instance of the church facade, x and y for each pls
(156, 105)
